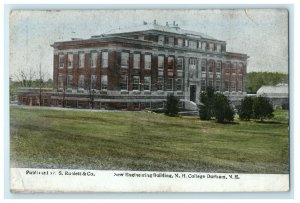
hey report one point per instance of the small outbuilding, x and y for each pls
(278, 94)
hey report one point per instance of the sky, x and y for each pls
(262, 34)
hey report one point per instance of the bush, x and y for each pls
(222, 109)
(215, 105)
(172, 108)
(262, 108)
(207, 101)
(245, 110)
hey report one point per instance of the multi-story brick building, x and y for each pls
(138, 68)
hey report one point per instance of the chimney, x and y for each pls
(154, 22)
(174, 23)
(167, 24)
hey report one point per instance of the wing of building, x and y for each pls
(138, 67)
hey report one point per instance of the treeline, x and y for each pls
(14, 85)
(257, 79)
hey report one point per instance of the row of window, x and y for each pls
(193, 44)
(147, 59)
(81, 60)
(218, 85)
(136, 84)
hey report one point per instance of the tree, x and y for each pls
(257, 79)
(206, 107)
(245, 110)
(262, 108)
(172, 108)
(222, 109)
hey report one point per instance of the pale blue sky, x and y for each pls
(262, 34)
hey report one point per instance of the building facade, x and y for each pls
(136, 69)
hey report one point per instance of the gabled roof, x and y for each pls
(279, 90)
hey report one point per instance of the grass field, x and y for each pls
(43, 138)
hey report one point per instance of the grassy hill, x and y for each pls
(146, 141)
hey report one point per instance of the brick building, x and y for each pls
(136, 69)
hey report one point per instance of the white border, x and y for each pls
(294, 95)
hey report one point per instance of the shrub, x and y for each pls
(245, 110)
(172, 108)
(222, 109)
(206, 107)
(262, 108)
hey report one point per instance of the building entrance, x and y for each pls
(193, 93)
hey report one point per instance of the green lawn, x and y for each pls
(146, 141)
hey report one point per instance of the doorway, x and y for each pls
(193, 93)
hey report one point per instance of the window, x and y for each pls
(104, 60)
(218, 85)
(179, 42)
(203, 85)
(94, 60)
(161, 40)
(203, 46)
(69, 81)
(93, 82)
(61, 61)
(147, 61)
(211, 46)
(233, 86)
(160, 62)
(170, 63)
(179, 85)
(226, 85)
(60, 81)
(70, 60)
(124, 82)
(210, 66)
(240, 70)
(180, 63)
(193, 68)
(227, 70)
(160, 83)
(186, 42)
(218, 47)
(81, 60)
(170, 84)
(171, 41)
(103, 82)
(192, 61)
(240, 87)
(81, 81)
(136, 83)
(193, 44)
(218, 67)
(136, 61)
(210, 83)
(147, 83)
(124, 59)
(199, 45)
(203, 65)
(233, 69)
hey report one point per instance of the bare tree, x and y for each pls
(41, 82)
(26, 78)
